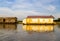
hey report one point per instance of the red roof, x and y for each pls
(40, 16)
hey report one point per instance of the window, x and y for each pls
(43, 20)
(49, 20)
(38, 20)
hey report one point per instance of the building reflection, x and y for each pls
(38, 28)
(1, 26)
(8, 26)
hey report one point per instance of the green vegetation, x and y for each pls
(57, 21)
(19, 22)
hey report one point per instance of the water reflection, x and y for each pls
(38, 28)
(1, 26)
(58, 26)
(6, 30)
(19, 32)
(8, 26)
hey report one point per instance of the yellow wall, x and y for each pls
(38, 20)
(24, 21)
(46, 20)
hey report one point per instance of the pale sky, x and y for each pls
(23, 8)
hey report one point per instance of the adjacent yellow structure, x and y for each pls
(38, 28)
(38, 20)
(10, 19)
(1, 19)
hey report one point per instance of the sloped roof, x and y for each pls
(40, 16)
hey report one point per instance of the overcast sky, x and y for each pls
(23, 8)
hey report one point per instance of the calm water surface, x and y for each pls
(19, 32)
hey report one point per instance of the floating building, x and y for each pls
(38, 20)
